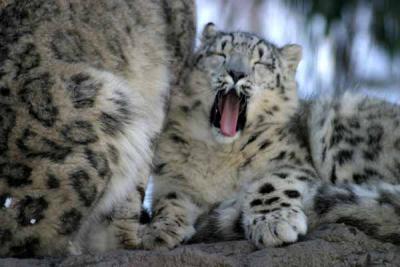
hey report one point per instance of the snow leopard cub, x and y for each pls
(241, 156)
(82, 92)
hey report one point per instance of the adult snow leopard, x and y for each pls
(242, 156)
(82, 89)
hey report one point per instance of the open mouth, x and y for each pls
(228, 112)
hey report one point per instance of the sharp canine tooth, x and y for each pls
(237, 91)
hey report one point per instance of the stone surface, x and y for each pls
(329, 245)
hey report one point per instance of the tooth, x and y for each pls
(237, 91)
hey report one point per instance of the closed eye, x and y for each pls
(209, 54)
(215, 60)
(261, 63)
(265, 64)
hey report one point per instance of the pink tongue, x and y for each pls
(230, 114)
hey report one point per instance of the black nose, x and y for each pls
(236, 75)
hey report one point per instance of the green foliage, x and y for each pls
(385, 24)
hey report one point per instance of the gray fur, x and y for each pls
(291, 167)
(83, 86)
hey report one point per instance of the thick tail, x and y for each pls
(375, 210)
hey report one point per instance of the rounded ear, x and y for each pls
(292, 55)
(209, 31)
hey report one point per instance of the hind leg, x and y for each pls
(126, 137)
(117, 229)
(126, 221)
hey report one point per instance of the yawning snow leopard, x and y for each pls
(82, 89)
(242, 156)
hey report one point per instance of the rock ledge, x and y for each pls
(329, 245)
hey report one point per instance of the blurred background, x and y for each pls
(347, 44)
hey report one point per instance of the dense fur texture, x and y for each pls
(82, 92)
(286, 167)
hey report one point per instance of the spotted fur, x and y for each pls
(82, 92)
(291, 167)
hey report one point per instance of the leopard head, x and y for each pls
(242, 80)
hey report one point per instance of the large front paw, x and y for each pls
(164, 235)
(274, 228)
